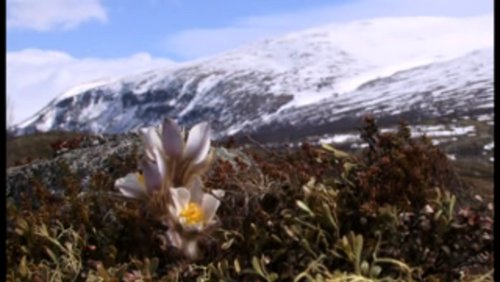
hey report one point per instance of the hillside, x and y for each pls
(314, 81)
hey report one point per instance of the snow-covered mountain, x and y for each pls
(300, 84)
(460, 87)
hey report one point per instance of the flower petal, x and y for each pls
(219, 193)
(130, 186)
(152, 175)
(197, 227)
(144, 137)
(151, 139)
(195, 170)
(190, 249)
(180, 197)
(175, 238)
(173, 145)
(174, 211)
(196, 191)
(160, 163)
(209, 204)
(198, 143)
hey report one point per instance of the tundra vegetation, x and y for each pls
(395, 211)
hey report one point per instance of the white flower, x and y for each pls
(195, 149)
(188, 246)
(191, 212)
(140, 184)
(193, 209)
(168, 161)
(177, 160)
(133, 185)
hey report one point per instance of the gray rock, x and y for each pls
(86, 162)
(82, 162)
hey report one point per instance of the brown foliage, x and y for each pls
(289, 213)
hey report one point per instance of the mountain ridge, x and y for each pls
(249, 88)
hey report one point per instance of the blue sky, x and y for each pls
(124, 27)
(53, 45)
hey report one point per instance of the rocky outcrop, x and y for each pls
(112, 156)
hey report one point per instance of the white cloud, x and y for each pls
(43, 15)
(35, 77)
(193, 43)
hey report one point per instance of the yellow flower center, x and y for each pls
(193, 213)
(140, 178)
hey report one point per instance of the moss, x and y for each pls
(25, 149)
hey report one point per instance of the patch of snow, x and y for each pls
(93, 112)
(236, 128)
(28, 121)
(352, 83)
(484, 117)
(489, 105)
(339, 138)
(359, 146)
(385, 130)
(440, 131)
(208, 83)
(306, 98)
(451, 157)
(79, 89)
(489, 146)
(48, 121)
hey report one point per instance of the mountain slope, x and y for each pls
(446, 90)
(307, 80)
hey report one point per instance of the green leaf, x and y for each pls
(276, 238)
(358, 248)
(336, 152)
(23, 225)
(365, 267)
(103, 273)
(330, 218)
(256, 266)
(272, 277)
(153, 265)
(23, 268)
(348, 166)
(375, 271)
(51, 255)
(237, 266)
(304, 207)
(227, 244)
